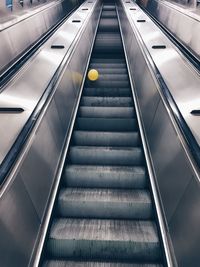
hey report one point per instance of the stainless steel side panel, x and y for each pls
(19, 224)
(18, 35)
(25, 195)
(181, 22)
(177, 182)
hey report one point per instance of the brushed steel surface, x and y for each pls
(28, 86)
(37, 163)
(118, 239)
(182, 80)
(184, 226)
(54, 263)
(19, 224)
(181, 22)
(38, 170)
(26, 29)
(174, 172)
(173, 169)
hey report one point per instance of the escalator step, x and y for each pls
(53, 263)
(91, 138)
(112, 77)
(106, 155)
(103, 84)
(107, 92)
(104, 204)
(108, 14)
(106, 112)
(105, 177)
(107, 65)
(112, 71)
(117, 240)
(102, 124)
(106, 101)
(110, 25)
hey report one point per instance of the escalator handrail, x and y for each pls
(10, 159)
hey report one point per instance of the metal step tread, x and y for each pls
(104, 239)
(95, 138)
(106, 112)
(104, 203)
(91, 176)
(127, 156)
(57, 263)
(106, 101)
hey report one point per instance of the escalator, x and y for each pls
(104, 213)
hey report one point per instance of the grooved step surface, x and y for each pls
(105, 177)
(106, 101)
(111, 71)
(105, 203)
(54, 263)
(89, 138)
(104, 239)
(106, 155)
(107, 65)
(104, 83)
(106, 112)
(104, 211)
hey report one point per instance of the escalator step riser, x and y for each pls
(113, 92)
(106, 112)
(112, 77)
(104, 204)
(92, 138)
(105, 177)
(108, 66)
(110, 71)
(108, 84)
(108, 25)
(115, 240)
(106, 101)
(106, 156)
(99, 124)
(88, 138)
(107, 47)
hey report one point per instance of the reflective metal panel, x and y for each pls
(36, 166)
(17, 35)
(172, 167)
(181, 22)
(38, 170)
(177, 182)
(184, 226)
(18, 226)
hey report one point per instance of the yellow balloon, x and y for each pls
(93, 75)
